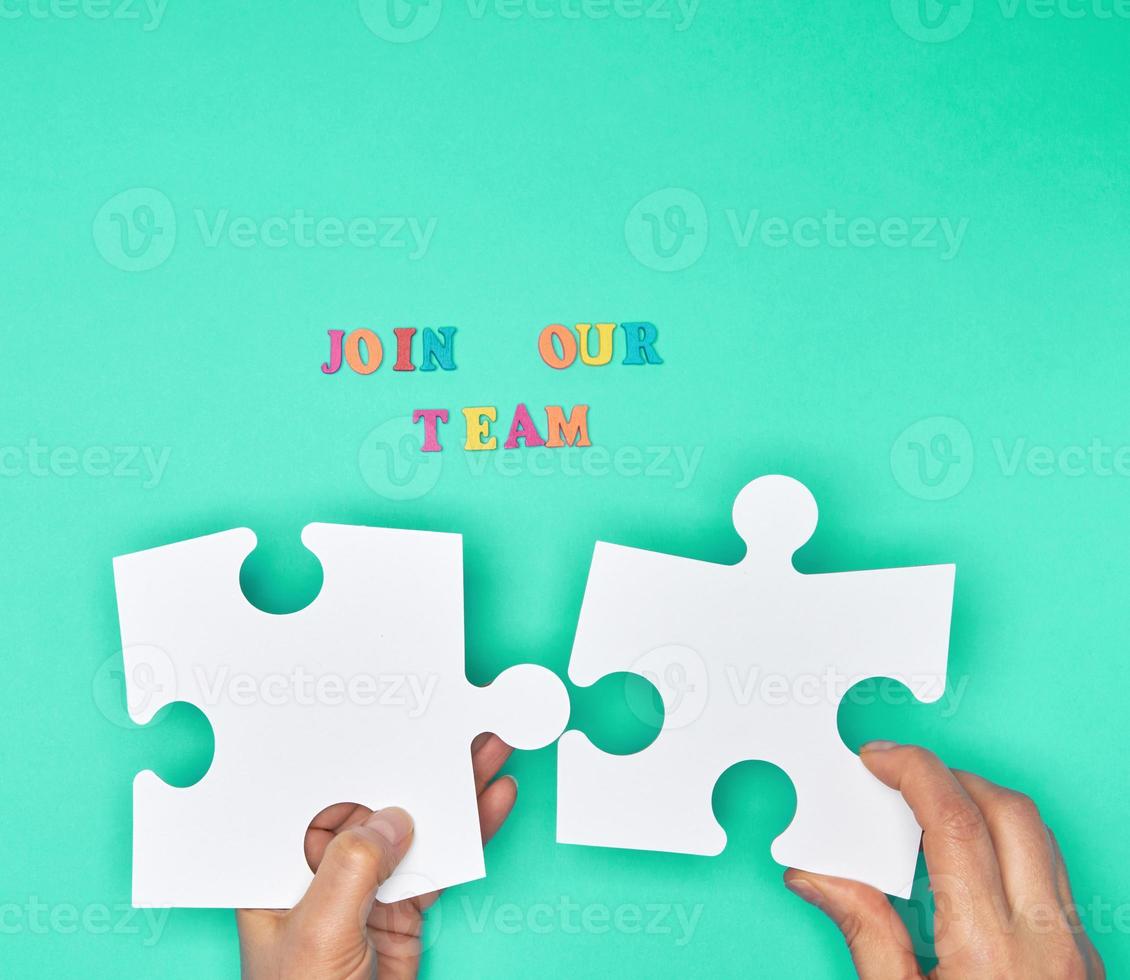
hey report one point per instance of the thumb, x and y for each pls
(357, 861)
(879, 943)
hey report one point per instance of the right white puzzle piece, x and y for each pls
(751, 661)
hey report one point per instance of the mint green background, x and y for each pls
(530, 140)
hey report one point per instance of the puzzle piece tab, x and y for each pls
(743, 656)
(360, 697)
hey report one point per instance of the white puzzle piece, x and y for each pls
(360, 697)
(751, 661)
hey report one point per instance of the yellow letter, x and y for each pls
(479, 419)
(604, 336)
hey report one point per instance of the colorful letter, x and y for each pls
(479, 419)
(604, 338)
(641, 343)
(443, 353)
(523, 428)
(549, 352)
(373, 351)
(404, 337)
(431, 428)
(331, 366)
(573, 431)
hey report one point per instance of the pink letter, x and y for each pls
(331, 366)
(523, 428)
(431, 428)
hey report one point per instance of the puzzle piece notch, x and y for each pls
(764, 617)
(234, 839)
(775, 516)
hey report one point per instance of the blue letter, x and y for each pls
(641, 343)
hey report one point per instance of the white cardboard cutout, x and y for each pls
(361, 697)
(751, 662)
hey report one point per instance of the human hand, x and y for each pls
(337, 931)
(1003, 905)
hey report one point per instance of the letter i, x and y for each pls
(404, 337)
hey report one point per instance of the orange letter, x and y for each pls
(548, 350)
(373, 350)
(574, 432)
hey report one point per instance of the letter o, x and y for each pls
(373, 351)
(548, 350)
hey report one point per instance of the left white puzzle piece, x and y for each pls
(361, 697)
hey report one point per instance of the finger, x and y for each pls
(396, 934)
(1071, 910)
(490, 756)
(333, 817)
(1020, 839)
(354, 864)
(964, 873)
(1063, 885)
(495, 804)
(327, 825)
(879, 943)
(402, 918)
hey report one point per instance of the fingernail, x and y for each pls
(879, 745)
(392, 823)
(513, 780)
(802, 889)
